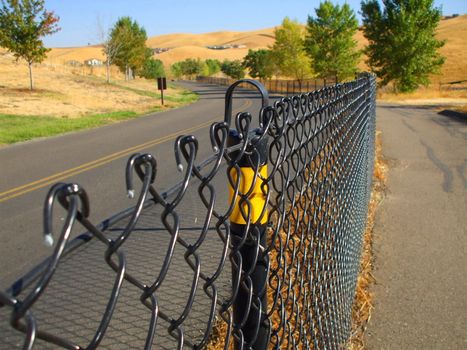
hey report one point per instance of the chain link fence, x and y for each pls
(279, 86)
(257, 248)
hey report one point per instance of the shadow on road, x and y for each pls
(454, 115)
(449, 113)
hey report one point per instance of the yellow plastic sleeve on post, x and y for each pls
(257, 198)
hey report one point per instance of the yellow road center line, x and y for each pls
(32, 186)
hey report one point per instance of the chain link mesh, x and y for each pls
(177, 271)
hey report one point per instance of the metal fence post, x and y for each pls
(248, 234)
(252, 259)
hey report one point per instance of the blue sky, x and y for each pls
(78, 19)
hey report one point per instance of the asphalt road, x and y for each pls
(96, 160)
(421, 233)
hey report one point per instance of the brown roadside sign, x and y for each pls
(162, 83)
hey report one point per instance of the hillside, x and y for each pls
(63, 55)
(454, 31)
(182, 46)
(68, 92)
(183, 52)
(252, 39)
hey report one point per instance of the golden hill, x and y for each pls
(252, 39)
(182, 46)
(454, 31)
(183, 52)
(63, 55)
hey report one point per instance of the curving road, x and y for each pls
(96, 160)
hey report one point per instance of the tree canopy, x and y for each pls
(288, 51)
(189, 68)
(233, 69)
(22, 25)
(329, 40)
(213, 66)
(132, 51)
(152, 69)
(402, 45)
(259, 63)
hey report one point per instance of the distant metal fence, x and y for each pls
(453, 85)
(257, 248)
(279, 86)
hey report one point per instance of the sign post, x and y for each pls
(162, 85)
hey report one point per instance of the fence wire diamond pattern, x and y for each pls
(257, 248)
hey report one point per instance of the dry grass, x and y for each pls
(62, 55)
(63, 91)
(288, 253)
(363, 305)
(454, 31)
(252, 39)
(461, 109)
(218, 337)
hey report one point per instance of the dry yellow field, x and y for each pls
(252, 39)
(454, 31)
(63, 55)
(71, 92)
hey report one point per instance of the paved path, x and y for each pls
(421, 233)
(96, 160)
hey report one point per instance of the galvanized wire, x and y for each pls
(169, 272)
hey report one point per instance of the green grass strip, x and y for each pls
(184, 96)
(16, 128)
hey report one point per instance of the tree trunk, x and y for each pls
(31, 80)
(107, 71)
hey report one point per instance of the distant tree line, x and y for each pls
(402, 47)
(190, 68)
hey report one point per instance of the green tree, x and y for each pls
(176, 70)
(259, 63)
(188, 68)
(213, 66)
(402, 46)
(192, 67)
(288, 51)
(329, 41)
(152, 69)
(22, 25)
(132, 51)
(233, 69)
